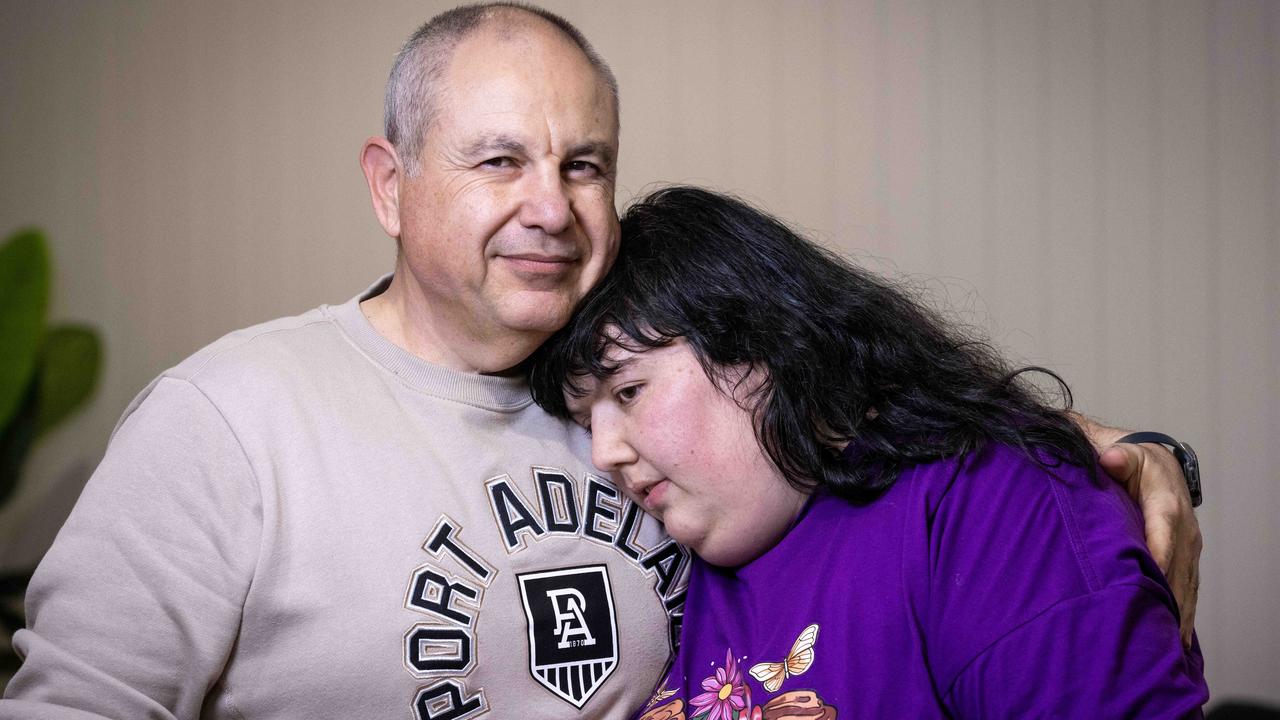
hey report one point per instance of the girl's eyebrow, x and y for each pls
(625, 362)
(618, 367)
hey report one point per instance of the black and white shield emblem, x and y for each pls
(573, 630)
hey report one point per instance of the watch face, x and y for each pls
(1190, 469)
(1183, 452)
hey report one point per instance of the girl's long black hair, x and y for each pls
(838, 355)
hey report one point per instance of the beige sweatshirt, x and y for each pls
(304, 521)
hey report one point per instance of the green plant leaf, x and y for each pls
(70, 360)
(16, 437)
(24, 298)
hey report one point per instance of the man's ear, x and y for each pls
(383, 172)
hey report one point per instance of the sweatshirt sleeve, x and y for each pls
(134, 610)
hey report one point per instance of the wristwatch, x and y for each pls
(1186, 456)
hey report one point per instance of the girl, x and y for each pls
(887, 519)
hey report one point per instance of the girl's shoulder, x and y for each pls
(998, 475)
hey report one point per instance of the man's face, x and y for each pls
(511, 217)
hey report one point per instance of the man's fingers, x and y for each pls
(1160, 540)
(1173, 534)
(1188, 611)
(1153, 477)
(1124, 464)
(1188, 605)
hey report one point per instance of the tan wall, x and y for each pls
(1097, 181)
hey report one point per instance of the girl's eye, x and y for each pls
(627, 393)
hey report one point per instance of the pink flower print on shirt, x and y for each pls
(726, 694)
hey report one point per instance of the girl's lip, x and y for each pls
(654, 493)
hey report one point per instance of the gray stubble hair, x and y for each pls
(410, 102)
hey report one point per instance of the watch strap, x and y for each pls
(1183, 452)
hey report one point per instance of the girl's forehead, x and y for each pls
(625, 359)
(580, 391)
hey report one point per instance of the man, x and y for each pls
(357, 512)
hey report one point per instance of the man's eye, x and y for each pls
(582, 167)
(499, 162)
(627, 393)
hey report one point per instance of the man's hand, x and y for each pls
(1153, 477)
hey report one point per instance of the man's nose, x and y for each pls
(546, 204)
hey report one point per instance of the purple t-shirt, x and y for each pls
(980, 587)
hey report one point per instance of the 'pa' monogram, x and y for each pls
(573, 630)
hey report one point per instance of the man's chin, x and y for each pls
(539, 312)
(542, 320)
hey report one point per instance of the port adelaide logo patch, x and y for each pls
(573, 630)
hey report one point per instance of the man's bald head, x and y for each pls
(412, 100)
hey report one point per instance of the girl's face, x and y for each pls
(687, 453)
